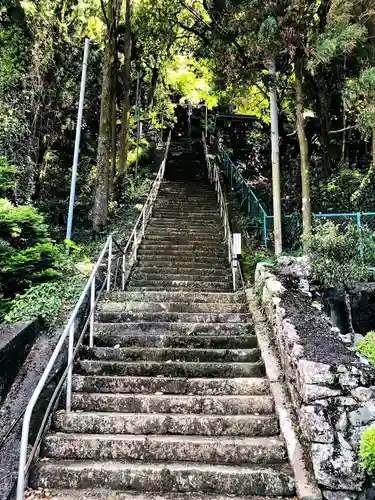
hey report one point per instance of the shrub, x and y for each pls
(334, 253)
(367, 449)
(250, 258)
(45, 300)
(367, 347)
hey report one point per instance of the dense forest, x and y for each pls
(146, 58)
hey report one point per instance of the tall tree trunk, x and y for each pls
(112, 172)
(373, 143)
(151, 92)
(304, 150)
(124, 134)
(100, 208)
(277, 229)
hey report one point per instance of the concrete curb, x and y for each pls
(306, 485)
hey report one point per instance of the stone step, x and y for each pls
(195, 307)
(176, 477)
(214, 234)
(171, 223)
(201, 286)
(176, 403)
(187, 215)
(179, 317)
(184, 249)
(100, 494)
(219, 298)
(172, 369)
(170, 354)
(172, 275)
(163, 328)
(191, 258)
(184, 239)
(183, 267)
(163, 424)
(151, 385)
(210, 225)
(167, 448)
(177, 341)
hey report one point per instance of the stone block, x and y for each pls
(348, 380)
(312, 372)
(311, 392)
(363, 415)
(343, 495)
(336, 467)
(315, 425)
(362, 394)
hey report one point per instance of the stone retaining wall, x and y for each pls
(332, 390)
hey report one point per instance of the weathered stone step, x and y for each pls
(163, 328)
(100, 494)
(184, 232)
(190, 307)
(220, 298)
(172, 275)
(200, 286)
(187, 215)
(166, 403)
(185, 249)
(167, 448)
(172, 369)
(145, 269)
(171, 223)
(185, 239)
(192, 259)
(180, 476)
(168, 423)
(151, 385)
(180, 317)
(170, 354)
(177, 341)
(184, 267)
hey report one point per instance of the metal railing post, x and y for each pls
(135, 245)
(359, 227)
(109, 277)
(265, 230)
(143, 223)
(123, 272)
(92, 312)
(70, 369)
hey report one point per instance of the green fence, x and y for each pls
(261, 223)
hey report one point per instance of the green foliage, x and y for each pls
(334, 254)
(22, 226)
(249, 260)
(7, 175)
(341, 188)
(367, 347)
(367, 449)
(45, 300)
(338, 40)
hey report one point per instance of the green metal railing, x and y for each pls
(262, 222)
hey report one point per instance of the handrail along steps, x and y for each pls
(129, 257)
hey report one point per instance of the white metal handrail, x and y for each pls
(214, 178)
(69, 333)
(130, 251)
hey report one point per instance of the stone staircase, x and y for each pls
(172, 402)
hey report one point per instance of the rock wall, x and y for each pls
(332, 389)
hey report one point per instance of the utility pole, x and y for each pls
(77, 142)
(277, 228)
(138, 112)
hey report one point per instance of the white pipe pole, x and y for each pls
(206, 122)
(277, 230)
(77, 141)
